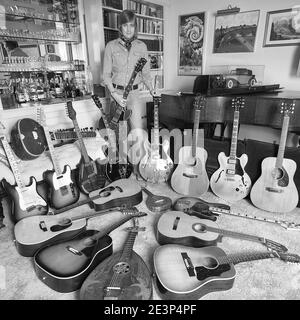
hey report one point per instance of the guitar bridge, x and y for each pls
(188, 264)
(274, 190)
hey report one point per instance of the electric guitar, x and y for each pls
(63, 190)
(91, 175)
(182, 228)
(117, 112)
(230, 182)
(123, 276)
(65, 265)
(190, 176)
(156, 165)
(184, 273)
(116, 168)
(26, 201)
(275, 189)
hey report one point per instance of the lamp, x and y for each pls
(229, 10)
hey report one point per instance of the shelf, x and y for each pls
(137, 14)
(139, 33)
(11, 37)
(38, 18)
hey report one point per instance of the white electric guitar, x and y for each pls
(230, 182)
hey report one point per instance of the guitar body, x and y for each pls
(136, 282)
(91, 176)
(228, 186)
(156, 166)
(157, 203)
(63, 190)
(26, 202)
(179, 228)
(120, 193)
(116, 171)
(190, 176)
(275, 195)
(63, 268)
(28, 139)
(175, 281)
(36, 232)
(186, 203)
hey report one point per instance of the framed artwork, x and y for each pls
(282, 28)
(236, 32)
(190, 51)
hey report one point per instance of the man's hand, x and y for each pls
(119, 99)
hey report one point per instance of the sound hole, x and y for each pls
(121, 268)
(277, 173)
(198, 227)
(210, 263)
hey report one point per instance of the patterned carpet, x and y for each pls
(270, 279)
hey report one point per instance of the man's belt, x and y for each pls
(134, 87)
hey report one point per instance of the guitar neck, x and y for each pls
(244, 257)
(130, 84)
(282, 144)
(234, 138)
(13, 163)
(71, 135)
(196, 132)
(81, 143)
(52, 151)
(156, 122)
(106, 231)
(128, 247)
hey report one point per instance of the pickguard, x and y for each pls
(203, 273)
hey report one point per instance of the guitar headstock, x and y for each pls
(287, 107)
(70, 110)
(140, 65)
(238, 103)
(199, 102)
(288, 257)
(41, 116)
(97, 102)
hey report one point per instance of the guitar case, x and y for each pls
(28, 140)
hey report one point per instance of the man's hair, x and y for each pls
(125, 17)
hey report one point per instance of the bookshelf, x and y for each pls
(150, 20)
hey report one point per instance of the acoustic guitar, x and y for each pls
(275, 189)
(26, 201)
(230, 182)
(36, 232)
(116, 167)
(180, 228)
(91, 174)
(117, 112)
(184, 273)
(123, 276)
(63, 190)
(190, 176)
(122, 192)
(64, 266)
(156, 166)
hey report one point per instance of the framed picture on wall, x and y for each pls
(236, 32)
(190, 52)
(282, 28)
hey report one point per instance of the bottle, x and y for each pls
(58, 91)
(52, 88)
(32, 90)
(40, 90)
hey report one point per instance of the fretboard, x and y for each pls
(71, 135)
(127, 249)
(156, 122)
(244, 257)
(234, 138)
(282, 144)
(196, 132)
(130, 84)
(52, 152)
(13, 163)
(81, 143)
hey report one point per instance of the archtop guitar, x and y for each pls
(184, 273)
(230, 182)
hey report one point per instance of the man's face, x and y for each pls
(128, 30)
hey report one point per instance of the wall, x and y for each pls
(280, 62)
